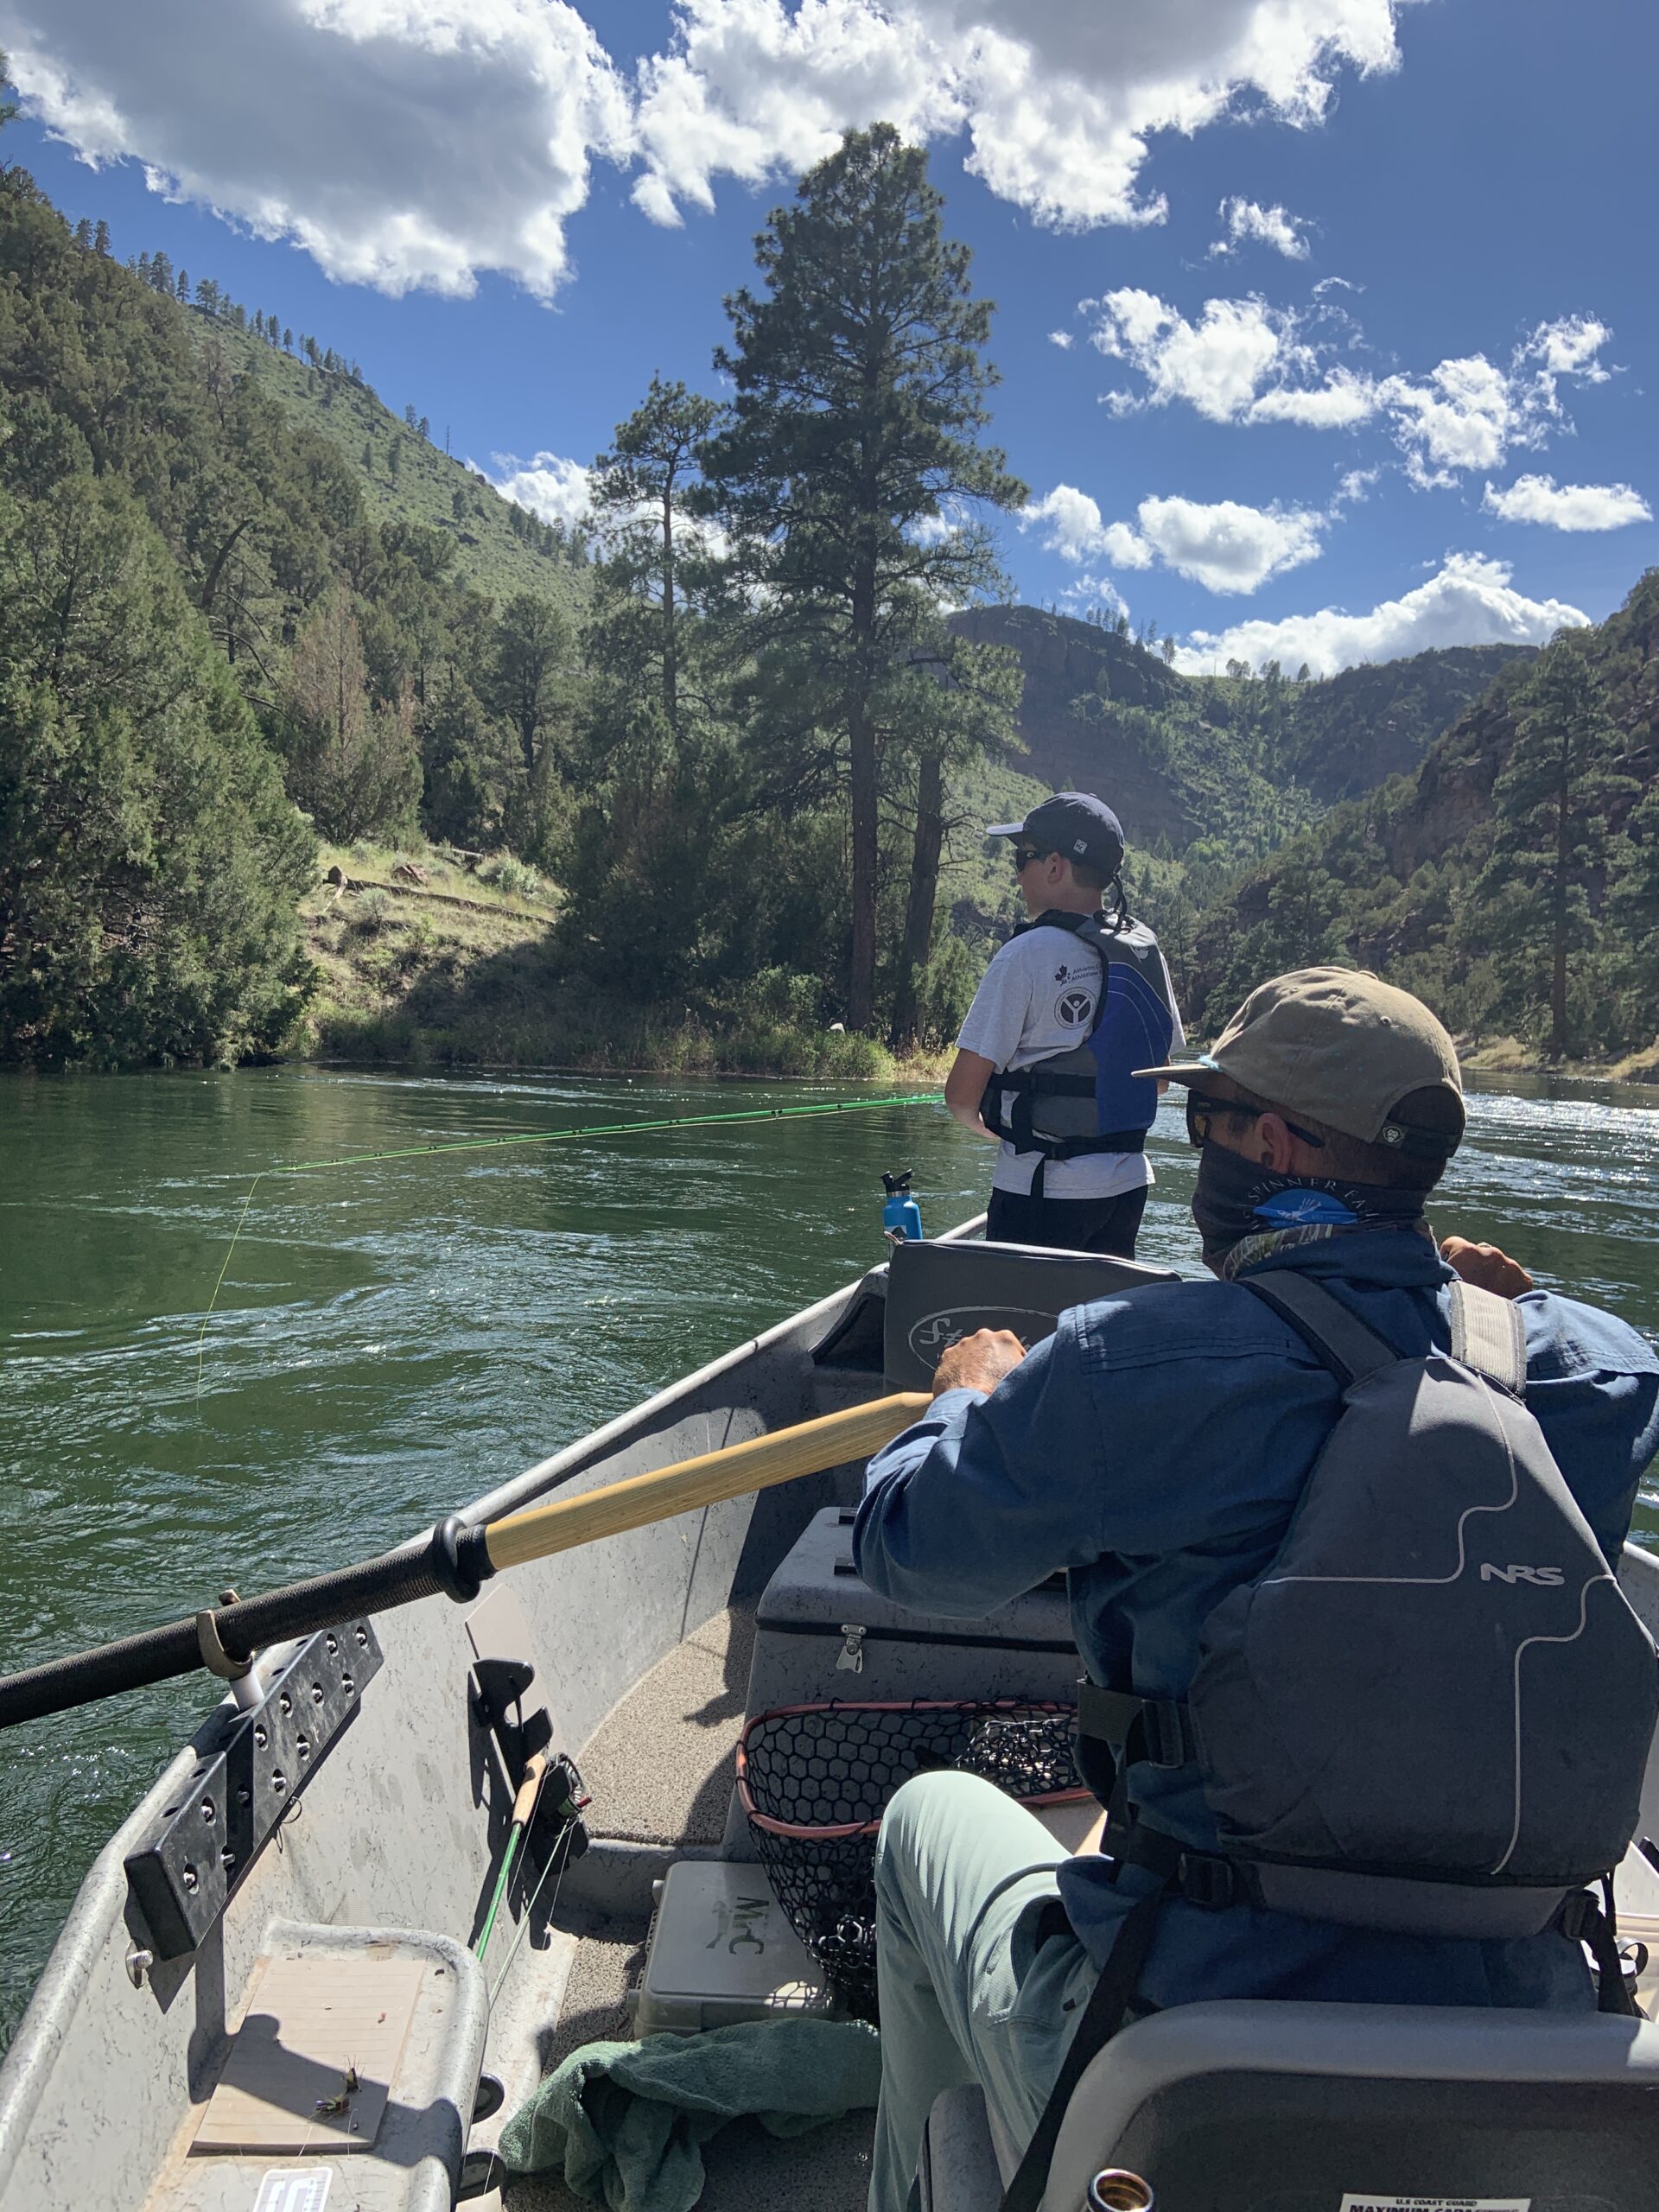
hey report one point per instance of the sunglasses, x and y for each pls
(1202, 1110)
(1024, 855)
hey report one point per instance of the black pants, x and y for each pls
(1108, 1226)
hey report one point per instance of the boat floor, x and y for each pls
(659, 1771)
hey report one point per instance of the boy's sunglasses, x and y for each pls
(1202, 1110)
(1024, 855)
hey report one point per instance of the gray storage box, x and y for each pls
(721, 1950)
(822, 1632)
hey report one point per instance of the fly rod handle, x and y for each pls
(807, 1449)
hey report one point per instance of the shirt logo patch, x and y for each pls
(1074, 1007)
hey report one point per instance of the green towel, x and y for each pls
(626, 2121)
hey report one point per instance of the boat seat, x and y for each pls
(356, 2065)
(937, 1292)
(1265, 2106)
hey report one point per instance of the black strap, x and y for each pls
(1582, 1920)
(1155, 1730)
(1102, 2019)
(1338, 1338)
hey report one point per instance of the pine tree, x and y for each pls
(182, 290)
(860, 393)
(101, 237)
(534, 646)
(641, 492)
(1551, 841)
(425, 428)
(287, 341)
(84, 233)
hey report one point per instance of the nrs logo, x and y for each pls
(1545, 1578)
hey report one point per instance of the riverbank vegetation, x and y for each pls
(715, 764)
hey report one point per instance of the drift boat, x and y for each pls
(414, 1858)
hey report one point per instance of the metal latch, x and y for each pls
(851, 1658)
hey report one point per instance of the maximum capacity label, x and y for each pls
(1367, 2200)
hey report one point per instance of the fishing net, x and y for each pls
(814, 1780)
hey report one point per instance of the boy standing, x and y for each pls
(1077, 999)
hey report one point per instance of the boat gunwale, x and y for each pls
(99, 1902)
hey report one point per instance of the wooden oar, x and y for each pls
(454, 1559)
(736, 1469)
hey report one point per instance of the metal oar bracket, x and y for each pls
(200, 1846)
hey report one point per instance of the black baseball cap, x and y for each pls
(1075, 824)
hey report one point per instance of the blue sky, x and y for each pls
(1414, 413)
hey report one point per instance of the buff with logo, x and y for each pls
(1244, 1212)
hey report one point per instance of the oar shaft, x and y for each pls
(443, 1561)
(763, 1461)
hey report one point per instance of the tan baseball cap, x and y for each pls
(1341, 1046)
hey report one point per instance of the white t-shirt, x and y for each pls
(1037, 997)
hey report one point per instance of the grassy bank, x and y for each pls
(426, 961)
(1510, 1056)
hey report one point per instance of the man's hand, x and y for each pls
(1486, 1266)
(979, 1361)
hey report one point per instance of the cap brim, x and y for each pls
(1003, 829)
(1185, 1071)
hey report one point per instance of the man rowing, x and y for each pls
(1158, 1446)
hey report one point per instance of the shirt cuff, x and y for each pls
(947, 1414)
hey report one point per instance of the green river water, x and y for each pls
(391, 1340)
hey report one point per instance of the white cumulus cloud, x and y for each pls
(1072, 526)
(548, 485)
(1217, 364)
(400, 142)
(1222, 544)
(1249, 224)
(1058, 102)
(1569, 347)
(1568, 506)
(1242, 360)
(1062, 338)
(415, 143)
(1226, 546)
(1469, 602)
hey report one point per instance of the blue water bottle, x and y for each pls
(901, 1217)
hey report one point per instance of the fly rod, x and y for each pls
(453, 1558)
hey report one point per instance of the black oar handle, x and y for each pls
(452, 1559)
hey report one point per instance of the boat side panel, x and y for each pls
(403, 1823)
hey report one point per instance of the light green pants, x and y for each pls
(969, 1993)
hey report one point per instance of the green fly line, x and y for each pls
(539, 1137)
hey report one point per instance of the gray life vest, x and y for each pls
(1087, 1098)
(1431, 1714)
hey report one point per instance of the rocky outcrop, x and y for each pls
(1065, 661)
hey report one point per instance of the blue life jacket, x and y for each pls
(1086, 1098)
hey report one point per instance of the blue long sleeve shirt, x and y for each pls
(1154, 1447)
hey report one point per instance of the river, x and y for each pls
(394, 1338)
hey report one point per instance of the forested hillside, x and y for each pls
(1513, 879)
(406, 476)
(1248, 756)
(740, 733)
(207, 629)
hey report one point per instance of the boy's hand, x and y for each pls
(979, 1361)
(1486, 1266)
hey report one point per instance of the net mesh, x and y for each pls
(814, 1780)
